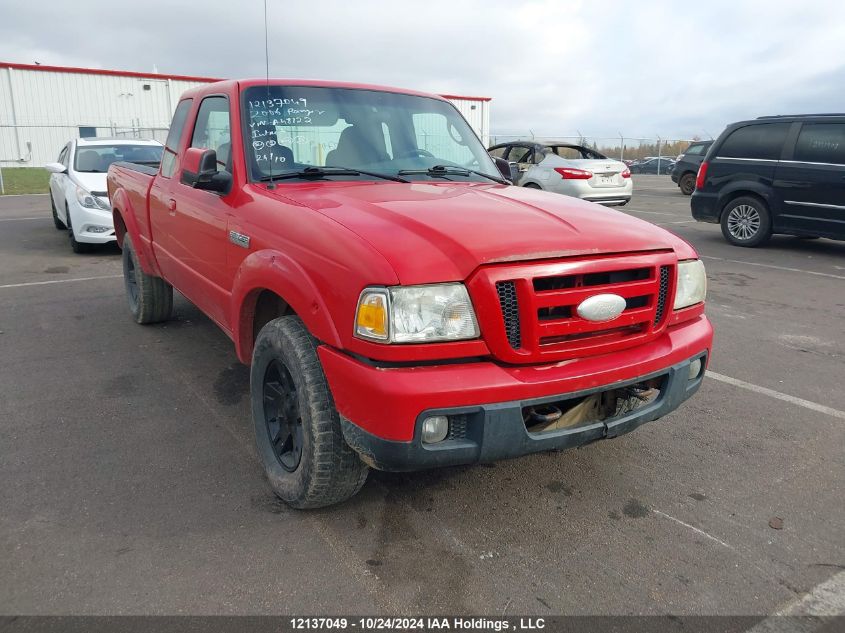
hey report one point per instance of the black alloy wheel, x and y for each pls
(282, 416)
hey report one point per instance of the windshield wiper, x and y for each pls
(448, 170)
(322, 172)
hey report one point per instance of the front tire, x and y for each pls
(76, 247)
(297, 427)
(746, 221)
(687, 184)
(60, 226)
(531, 185)
(150, 298)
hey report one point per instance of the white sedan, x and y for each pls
(78, 185)
(573, 170)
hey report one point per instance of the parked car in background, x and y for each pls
(78, 194)
(686, 167)
(652, 166)
(573, 170)
(777, 174)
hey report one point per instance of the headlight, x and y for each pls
(416, 314)
(692, 283)
(89, 201)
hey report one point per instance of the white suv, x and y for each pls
(78, 185)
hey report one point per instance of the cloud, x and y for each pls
(554, 67)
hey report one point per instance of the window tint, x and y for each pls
(97, 158)
(519, 154)
(821, 143)
(567, 152)
(213, 130)
(499, 152)
(171, 146)
(694, 150)
(761, 140)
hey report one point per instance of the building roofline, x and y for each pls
(103, 71)
(467, 98)
(129, 73)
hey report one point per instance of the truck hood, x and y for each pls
(443, 231)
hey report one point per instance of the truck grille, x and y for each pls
(531, 315)
(510, 312)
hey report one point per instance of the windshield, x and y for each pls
(291, 128)
(95, 159)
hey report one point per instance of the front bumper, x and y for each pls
(83, 219)
(489, 433)
(383, 407)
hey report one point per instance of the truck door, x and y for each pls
(200, 229)
(812, 181)
(162, 216)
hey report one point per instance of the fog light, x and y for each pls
(435, 429)
(94, 228)
(694, 369)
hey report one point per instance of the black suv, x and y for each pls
(687, 166)
(779, 174)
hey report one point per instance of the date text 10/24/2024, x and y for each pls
(419, 624)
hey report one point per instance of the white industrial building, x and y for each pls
(42, 107)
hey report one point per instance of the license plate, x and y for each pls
(607, 180)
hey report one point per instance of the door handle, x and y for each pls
(171, 206)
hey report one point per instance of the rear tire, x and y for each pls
(687, 184)
(56, 221)
(297, 427)
(150, 298)
(746, 221)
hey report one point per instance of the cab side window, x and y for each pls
(63, 156)
(171, 146)
(762, 141)
(498, 152)
(213, 130)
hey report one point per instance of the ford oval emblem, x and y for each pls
(601, 307)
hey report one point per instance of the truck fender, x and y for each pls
(124, 218)
(274, 271)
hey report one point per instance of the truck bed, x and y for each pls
(135, 180)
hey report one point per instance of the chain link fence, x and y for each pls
(37, 145)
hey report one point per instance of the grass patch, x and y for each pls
(17, 180)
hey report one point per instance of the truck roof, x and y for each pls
(248, 83)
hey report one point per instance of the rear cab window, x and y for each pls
(758, 141)
(171, 145)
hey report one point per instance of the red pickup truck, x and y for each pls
(402, 306)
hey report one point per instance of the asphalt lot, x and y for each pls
(130, 484)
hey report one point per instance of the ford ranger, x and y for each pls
(401, 305)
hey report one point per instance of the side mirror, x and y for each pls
(504, 168)
(199, 170)
(55, 168)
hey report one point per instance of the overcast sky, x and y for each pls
(646, 68)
